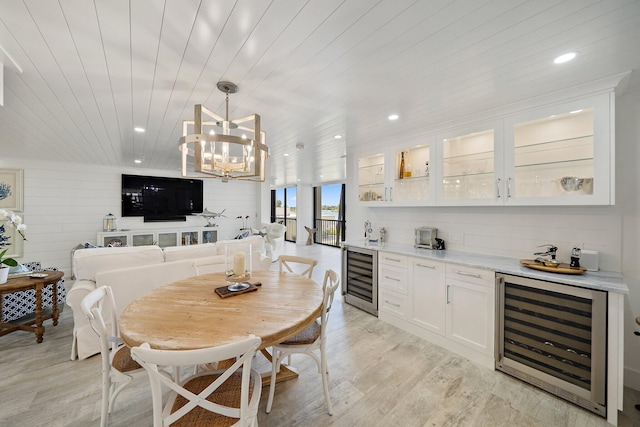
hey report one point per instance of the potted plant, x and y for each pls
(12, 220)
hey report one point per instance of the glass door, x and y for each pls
(412, 184)
(471, 167)
(371, 179)
(560, 154)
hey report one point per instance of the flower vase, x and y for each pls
(4, 274)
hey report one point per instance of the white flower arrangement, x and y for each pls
(14, 221)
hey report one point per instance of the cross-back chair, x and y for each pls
(293, 264)
(221, 397)
(100, 308)
(308, 342)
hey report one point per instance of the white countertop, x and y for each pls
(600, 280)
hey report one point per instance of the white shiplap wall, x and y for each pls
(64, 205)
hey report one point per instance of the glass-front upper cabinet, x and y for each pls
(560, 155)
(398, 177)
(412, 181)
(471, 161)
(371, 179)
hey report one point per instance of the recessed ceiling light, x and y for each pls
(338, 136)
(212, 132)
(394, 117)
(564, 58)
(137, 161)
(575, 111)
(286, 154)
(139, 129)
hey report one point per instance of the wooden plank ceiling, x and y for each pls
(94, 70)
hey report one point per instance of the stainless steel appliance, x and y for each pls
(360, 278)
(554, 337)
(426, 238)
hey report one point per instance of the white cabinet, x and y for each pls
(450, 305)
(399, 176)
(556, 153)
(470, 300)
(429, 294)
(561, 154)
(471, 165)
(161, 237)
(393, 286)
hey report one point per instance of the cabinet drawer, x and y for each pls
(392, 278)
(392, 259)
(395, 304)
(471, 275)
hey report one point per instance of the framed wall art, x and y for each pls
(11, 189)
(11, 240)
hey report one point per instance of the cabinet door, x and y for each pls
(209, 236)
(560, 155)
(166, 239)
(189, 238)
(142, 239)
(471, 166)
(471, 315)
(372, 187)
(427, 282)
(412, 183)
(114, 238)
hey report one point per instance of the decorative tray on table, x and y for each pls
(560, 268)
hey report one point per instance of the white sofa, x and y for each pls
(274, 239)
(134, 271)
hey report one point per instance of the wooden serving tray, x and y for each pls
(224, 292)
(562, 268)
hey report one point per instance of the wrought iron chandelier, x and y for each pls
(223, 148)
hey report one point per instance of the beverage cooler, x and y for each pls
(360, 278)
(554, 337)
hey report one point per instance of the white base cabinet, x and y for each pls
(449, 305)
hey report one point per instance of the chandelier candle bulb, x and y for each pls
(238, 263)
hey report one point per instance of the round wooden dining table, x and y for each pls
(189, 314)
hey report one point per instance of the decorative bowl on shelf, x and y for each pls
(571, 183)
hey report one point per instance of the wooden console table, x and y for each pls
(25, 283)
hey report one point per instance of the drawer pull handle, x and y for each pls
(392, 278)
(464, 273)
(391, 303)
(392, 259)
(427, 266)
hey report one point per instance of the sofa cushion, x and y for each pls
(212, 264)
(256, 242)
(131, 283)
(88, 262)
(177, 253)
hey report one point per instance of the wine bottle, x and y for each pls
(401, 174)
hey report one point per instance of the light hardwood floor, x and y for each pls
(380, 376)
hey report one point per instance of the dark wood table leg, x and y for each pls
(39, 329)
(55, 314)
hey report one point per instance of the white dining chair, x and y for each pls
(116, 362)
(220, 397)
(309, 341)
(296, 264)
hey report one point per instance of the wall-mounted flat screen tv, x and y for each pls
(160, 199)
